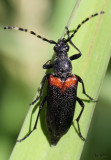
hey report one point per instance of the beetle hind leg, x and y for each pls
(79, 116)
(35, 126)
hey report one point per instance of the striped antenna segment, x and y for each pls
(31, 32)
(87, 19)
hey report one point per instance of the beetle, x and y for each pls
(62, 86)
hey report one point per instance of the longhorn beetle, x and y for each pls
(62, 86)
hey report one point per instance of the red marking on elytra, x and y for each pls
(70, 81)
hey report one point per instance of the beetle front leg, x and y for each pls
(84, 92)
(47, 65)
(76, 56)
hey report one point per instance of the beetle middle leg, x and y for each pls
(84, 92)
(35, 126)
(42, 88)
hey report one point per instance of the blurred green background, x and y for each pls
(21, 72)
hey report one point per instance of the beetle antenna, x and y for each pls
(31, 32)
(87, 19)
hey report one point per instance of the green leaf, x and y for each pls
(93, 39)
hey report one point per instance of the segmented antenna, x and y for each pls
(31, 32)
(87, 19)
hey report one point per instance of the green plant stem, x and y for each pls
(93, 39)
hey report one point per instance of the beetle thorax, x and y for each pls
(62, 66)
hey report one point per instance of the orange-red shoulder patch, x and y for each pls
(70, 81)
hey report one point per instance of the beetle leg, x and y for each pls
(42, 89)
(84, 92)
(40, 108)
(76, 56)
(47, 65)
(78, 118)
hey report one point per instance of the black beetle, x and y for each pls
(62, 87)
